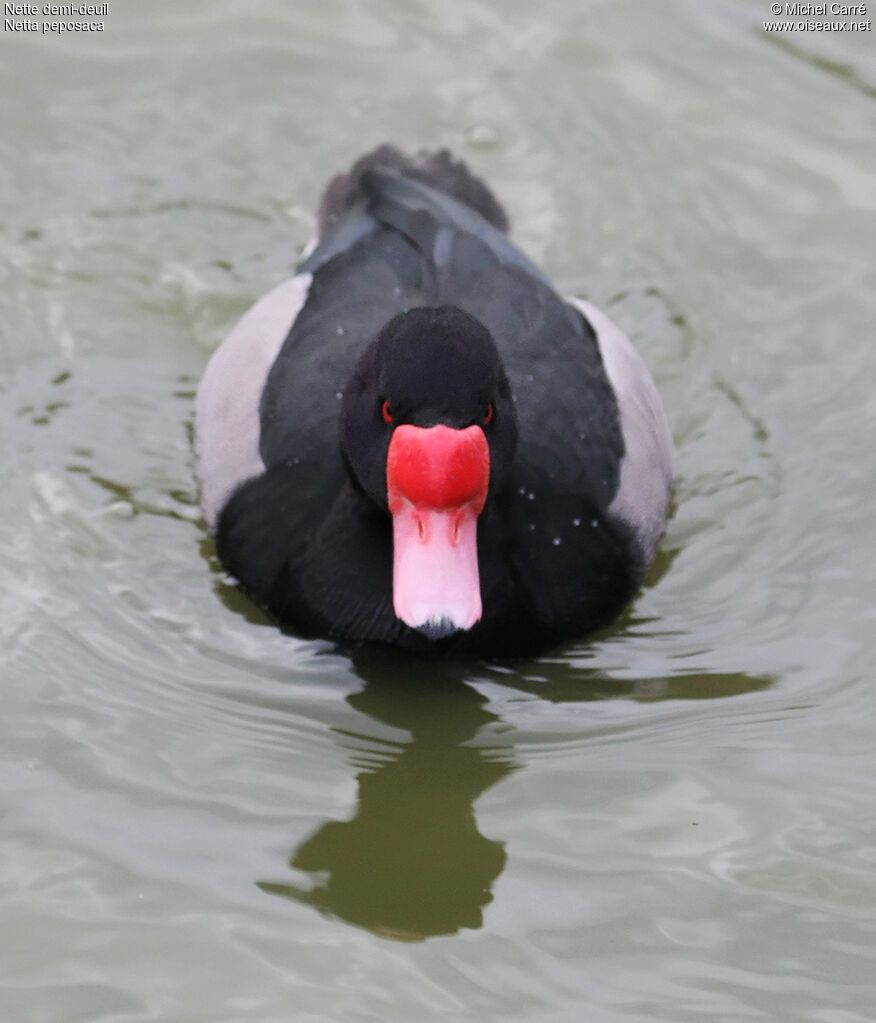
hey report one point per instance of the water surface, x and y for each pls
(204, 820)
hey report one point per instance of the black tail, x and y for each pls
(438, 169)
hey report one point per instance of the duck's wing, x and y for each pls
(645, 485)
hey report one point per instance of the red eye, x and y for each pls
(386, 411)
(488, 417)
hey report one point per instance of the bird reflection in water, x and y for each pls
(411, 863)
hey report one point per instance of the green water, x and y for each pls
(205, 821)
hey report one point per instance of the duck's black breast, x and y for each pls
(551, 554)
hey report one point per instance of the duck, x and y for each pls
(415, 441)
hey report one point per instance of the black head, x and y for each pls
(427, 367)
